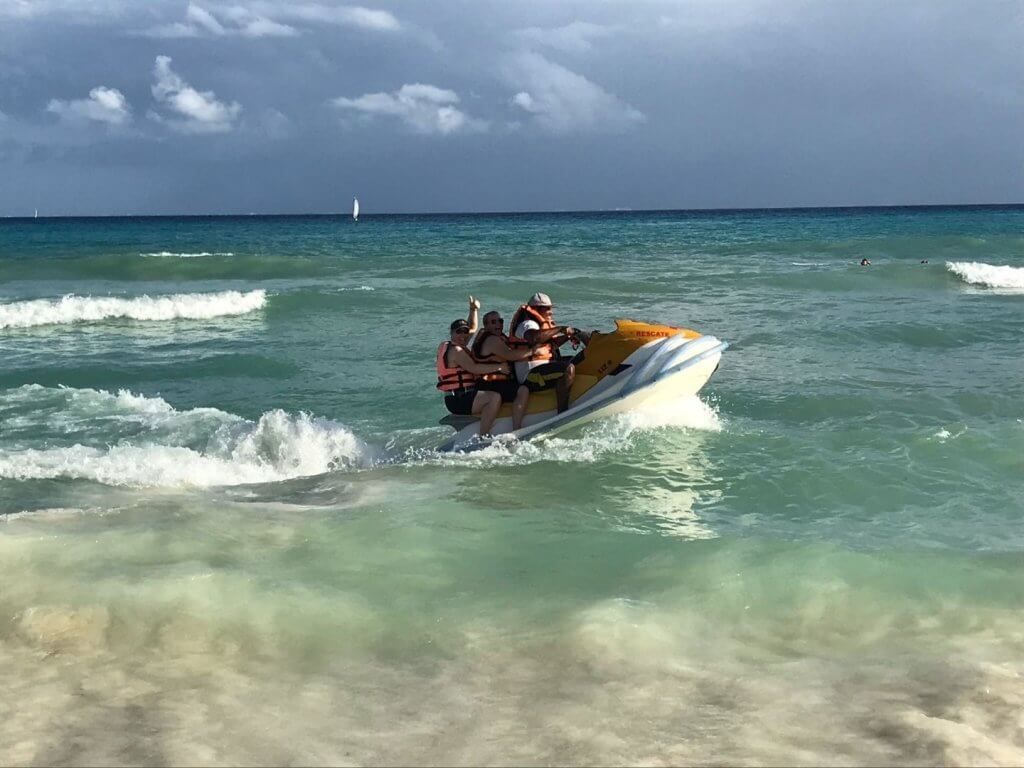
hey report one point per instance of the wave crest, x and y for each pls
(83, 309)
(988, 275)
(199, 447)
(172, 255)
(125, 439)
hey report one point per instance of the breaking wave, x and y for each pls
(170, 448)
(125, 439)
(170, 255)
(84, 309)
(988, 275)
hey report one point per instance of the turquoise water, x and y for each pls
(225, 536)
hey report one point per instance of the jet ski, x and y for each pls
(637, 364)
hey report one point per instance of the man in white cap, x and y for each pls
(534, 323)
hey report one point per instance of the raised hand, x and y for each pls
(474, 303)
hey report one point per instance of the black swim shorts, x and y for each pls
(460, 402)
(507, 388)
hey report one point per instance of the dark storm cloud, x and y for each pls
(294, 106)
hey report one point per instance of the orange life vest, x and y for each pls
(542, 352)
(451, 379)
(479, 356)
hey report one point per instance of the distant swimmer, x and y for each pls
(865, 262)
(924, 261)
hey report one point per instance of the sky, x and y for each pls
(127, 107)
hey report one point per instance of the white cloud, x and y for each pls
(171, 31)
(202, 19)
(195, 111)
(81, 11)
(104, 105)
(576, 37)
(266, 19)
(17, 9)
(424, 108)
(260, 26)
(525, 101)
(234, 20)
(341, 15)
(563, 101)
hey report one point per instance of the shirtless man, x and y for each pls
(492, 345)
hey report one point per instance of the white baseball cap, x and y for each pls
(540, 300)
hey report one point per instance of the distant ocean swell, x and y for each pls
(170, 265)
(84, 309)
(988, 275)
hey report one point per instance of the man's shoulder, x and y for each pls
(527, 325)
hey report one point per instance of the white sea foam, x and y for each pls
(599, 439)
(944, 434)
(83, 309)
(65, 408)
(169, 254)
(199, 447)
(988, 275)
(688, 412)
(48, 513)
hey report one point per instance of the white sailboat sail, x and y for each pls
(355, 208)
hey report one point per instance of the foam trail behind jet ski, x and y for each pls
(598, 439)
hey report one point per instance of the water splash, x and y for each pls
(988, 275)
(598, 439)
(171, 255)
(170, 448)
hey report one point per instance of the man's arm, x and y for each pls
(557, 335)
(495, 347)
(460, 358)
(474, 307)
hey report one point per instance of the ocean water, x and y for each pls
(225, 535)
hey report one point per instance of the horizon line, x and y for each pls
(556, 211)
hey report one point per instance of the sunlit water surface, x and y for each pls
(226, 538)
